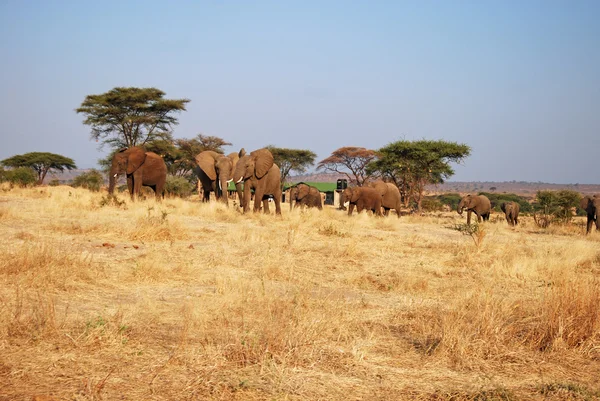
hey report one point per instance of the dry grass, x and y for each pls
(183, 300)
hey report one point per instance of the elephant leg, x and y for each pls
(478, 217)
(277, 200)
(265, 203)
(130, 186)
(350, 209)
(387, 212)
(258, 195)
(469, 217)
(247, 197)
(137, 187)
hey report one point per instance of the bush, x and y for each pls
(54, 182)
(556, 206)
(178, 186)
(21, 176)
(451, 200)
(91, 180)
(431, 204)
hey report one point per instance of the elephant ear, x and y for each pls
(381, 187)
(206, 162)
(135, 158)
(503, 207)
(263, 161)
(584, 203)
(242, 153)
(354, 195)
(303, 190)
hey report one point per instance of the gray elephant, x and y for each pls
(390, 196)
(305, 195)
(142, 168)
(511, 211)
(215, 171)
(259, 172)
(478, 204)
(591, 205)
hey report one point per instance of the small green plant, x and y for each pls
(112, 200)
(476, 231)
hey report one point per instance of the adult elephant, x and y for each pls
(511, 211)
(478, 204)
(259, 172)
(364, 198)
(305, 195)
(142, 168)
(215, 172)
(591, 205)
(390, 196)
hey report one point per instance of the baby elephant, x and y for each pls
(511, 211)
(362, 198)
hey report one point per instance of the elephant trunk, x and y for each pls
(291, 198)
(460, 207)
(112, 180)
(222, 191)
(240, 194)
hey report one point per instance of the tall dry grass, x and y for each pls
(184, 300)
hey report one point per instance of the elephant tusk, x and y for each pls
(240, 180)
(228, 181)
(220, 186)
(115, 176)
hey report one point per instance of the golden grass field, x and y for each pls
(187, 301)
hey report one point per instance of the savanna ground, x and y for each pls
(190, 301)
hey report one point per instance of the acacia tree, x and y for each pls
(41, 163)
(288, 160)
(412, 165)
(351, 161)
(125, 117)
(187, 149)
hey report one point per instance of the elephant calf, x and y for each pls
(511, 211)
(305, 195)
(362, 198)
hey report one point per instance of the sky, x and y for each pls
(517, 81)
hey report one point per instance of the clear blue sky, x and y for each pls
(518, 81)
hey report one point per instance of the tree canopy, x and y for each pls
(41, 163)
(125, 117)
(351, 161)
(288, 160)
(412, 165)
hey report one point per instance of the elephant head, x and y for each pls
(127, 161)
(255, 165)
(466, 202)
(350, 195)
(299, 192)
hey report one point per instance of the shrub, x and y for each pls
(178, 186)
(91, 180)
(54, 182)
(431, 204)
(555, 206)
(451, 199)
(21, 176)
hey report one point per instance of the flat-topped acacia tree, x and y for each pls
(41, 163)
(126, 117)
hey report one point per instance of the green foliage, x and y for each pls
(556, 204)
(125, 117)
(91, 180)
(450, 199)
(476, 231)
(431, 204)
(288, 160)
(497, 199)
(21, 176)
(412, 165)
(178, 186)
(54, 183)
(41, 163)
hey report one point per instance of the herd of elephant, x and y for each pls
(257, 171)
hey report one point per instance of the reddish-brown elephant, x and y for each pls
(305, 195)
(216, 171)
(142, 168)
(390, 196)
(258, 172)
(364, 198)
(478, 204)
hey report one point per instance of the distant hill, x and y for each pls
(517, 187)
